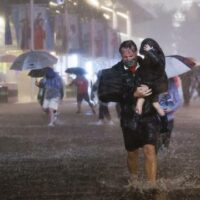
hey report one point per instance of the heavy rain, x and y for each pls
(73, 147)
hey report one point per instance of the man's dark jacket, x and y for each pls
(128, 102)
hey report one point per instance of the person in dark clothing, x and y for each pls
(41, 91)
(152, 73)
(104, 112)
(170, 102)
(145, 134)
(186, 79)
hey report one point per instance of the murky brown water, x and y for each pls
(79, 160)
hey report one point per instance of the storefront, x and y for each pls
(15, 86)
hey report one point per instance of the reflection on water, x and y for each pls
(78, 159)
(178, 188)
(186, 187)
(165, 189)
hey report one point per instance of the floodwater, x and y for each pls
(78, 160)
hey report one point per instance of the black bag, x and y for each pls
(110, 87)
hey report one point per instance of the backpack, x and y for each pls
(110, 86)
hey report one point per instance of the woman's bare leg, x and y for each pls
(139, 105)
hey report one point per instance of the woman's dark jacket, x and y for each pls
(152, 72)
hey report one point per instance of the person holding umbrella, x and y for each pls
(82, 92)
(39, 73)
(183, 66)
(170, 102)
(39, 63)
(82, 87)
(104, 112)
(53, 86)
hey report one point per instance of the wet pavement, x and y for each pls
(78, 160)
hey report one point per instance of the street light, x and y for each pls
(125, 16)
(94, 3)
(53, 4)
(106, 16)
(2, 30)
(2, 22)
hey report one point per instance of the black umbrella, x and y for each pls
(75, 70)
(36, 73)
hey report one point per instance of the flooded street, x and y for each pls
(78, 160)
(63, 48)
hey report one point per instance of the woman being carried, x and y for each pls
(152, 73)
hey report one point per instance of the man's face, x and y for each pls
(128, 56)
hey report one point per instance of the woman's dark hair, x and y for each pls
(128, 44)
(152, 43)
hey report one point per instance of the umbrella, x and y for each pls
(33, 60)
(176, 65)
(76, 70)
(36, 73)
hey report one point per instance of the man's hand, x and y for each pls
(147, 47)
(142, 91)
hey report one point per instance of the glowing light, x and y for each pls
(2, 22)
(107, 9)
(108, 3)
(51, 3)
(106, 16)
(186, 4)
(53, 53)
(179, 17)
(140, 39)
(60, 1)
(93, 2)
(89, 69)
(73, 60)
(187, 1)
(176, 24)
(122, 15)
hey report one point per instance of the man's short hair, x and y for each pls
(128, 44)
